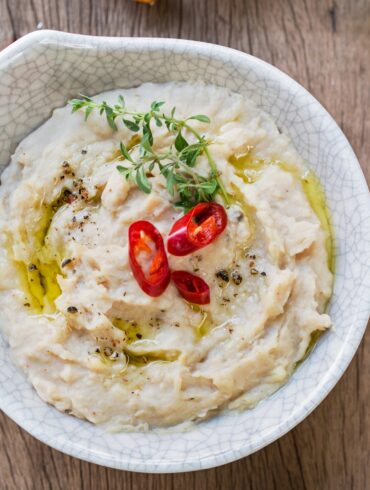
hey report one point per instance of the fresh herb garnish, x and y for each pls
(176, 165)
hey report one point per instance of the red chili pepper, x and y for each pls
(148, 258)
(197, 228)
(193, 288)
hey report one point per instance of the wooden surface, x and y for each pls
(323, 44)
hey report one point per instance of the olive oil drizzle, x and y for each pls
(206, 323)
(38, 276)
(134, 333)
(249, 168)
(132, 330)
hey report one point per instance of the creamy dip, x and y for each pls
(89, 339)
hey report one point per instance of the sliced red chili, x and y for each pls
(148, 259)
(197, 228)
(193, 288)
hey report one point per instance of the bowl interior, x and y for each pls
(41, 72)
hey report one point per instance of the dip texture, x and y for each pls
(89, 339)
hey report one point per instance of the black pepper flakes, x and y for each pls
(263, 274)
(72, 309)
(223, 275)
(83, 152)
(32, 267)
(66, 262)
(236, 277)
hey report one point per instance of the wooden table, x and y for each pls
(324, 45)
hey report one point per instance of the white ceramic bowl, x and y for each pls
(42, 71)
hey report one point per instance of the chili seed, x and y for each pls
(254, 271)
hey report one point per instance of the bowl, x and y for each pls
(40, 72)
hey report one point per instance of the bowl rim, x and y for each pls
(347, 353)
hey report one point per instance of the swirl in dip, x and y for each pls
(90, 340)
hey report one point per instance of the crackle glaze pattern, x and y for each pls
(42, 71)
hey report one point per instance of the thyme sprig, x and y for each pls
(176, 165)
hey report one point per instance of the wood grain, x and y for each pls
(323, 44)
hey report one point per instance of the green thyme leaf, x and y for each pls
(142, 181)
(177, 164)
(124, 171)
(155, 106)
(76, 104)
(201, 118)
(109, 113)
(132, 126)
(148, 132)
(209, 186)
(170, 183)
(145, 143)
(158, 121)
(180, 142)
(190, 153)
(88, 112)
(125, 152)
